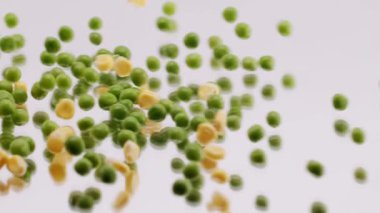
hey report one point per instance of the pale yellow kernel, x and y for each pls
(56, 140)
(121, 200)
(4, 188)
(119, 166)
(17, 165)
(220, 121)
(207, 90)
(147, 99)
(100, 90)
(151, 127)
(214, 152)
(3, 158)
(21, 106)
(123, 67)
(139, 3)
(131, 151)
(16, 184)
(132, 181)
(206, 133)
(209, 164)
(219, 176)
(104, 63)
(21, 85)
(65, 108)
(219, 202)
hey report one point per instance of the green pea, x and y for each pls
(123, 51)
(262, 202)
(85, 123)
(235, 101)
(221, 50)
(177, 134)
(7, 107)
(197, 107)
(318, 207)
(89, 140)
(129, 94)
(139, 115)
(106, 174)
(247, 100)
(181, 120)
(166, 24)
(86, 102)
(93, 192)
(52, 45)
(107, 79)
(195, 121)
(78, 69)
(273, 119)
(48, 127)
(210, 114)
(11, 20)
(47, 58)
(131, 123)
(284, 28)
(153, 63)
(340, 102)
(250, 80)
(85, 202)
(214, 41)
(224, 84)
(85, 60)
(100, 131)
(267, 62)
(194, 60)
(235, 111)
(169, 8)
(139, 76)
(191, 40)
(157, 112)
(169, 51)
(230, 14)
(40, 117)
(358, 135)
(181, 187)
(64, 82)
(48, 155)
(215, 102)
(173, 79)
(160, 139)
(172, 67)
(19, 41)
(194, 197)
(7, 44)
(83, 167)
(74, 197)
(118, 111)
(20, 146)
(315, 168)
(6, 85)
(124, 136)
(184, 93)
(95, 38)
(230, 62)
(20, 96)
(233, 122)
(177, 164)
(65, 59)
(258, 158)
(106, 100)
(20, 117)
(93, 157)
(74, 145)
(341, 127)
(268, 92)
(191, 171)
(103, 51)
(275, 142)
(256, 133)
(66, 34)
(249, 63)
(19, 60)
(12, 74)
(47, 82)
(198, 182)
(95, 23)
(243, 30)
(193, 152)
(154, 83)
(288, 81)
(360, 175)
(236, 182)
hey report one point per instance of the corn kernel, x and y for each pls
(65, 109)
(139, 3)
(57, 169)
(219, 176)
(151, 127)
(21, 85)
(206, 133)
(214, 152)
(100, 90)
(104, 63)
(121, 200)
(209, 164)
(220, 121)
(17, 165)
(131, 151)
(3, 158)
(219, 203)
(147, 99)
(56, 140)
(4, 188)
(123, 67)
(131, 182)
(17, 184)
(21, 106)
(120, 166)
(208, 89)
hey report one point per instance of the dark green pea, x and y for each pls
(93, 192)
(275, 142)
(95, 38)
(177, 164)
(220, 50)
(181, 187)
(214, 41)
(358, 135)
(65, 59)
(40, 117)
(181, 120)
(172, 67)
(20, 117)
(47, 58)
(66, 34)
(318, 207)
(139, 115)
(184, 93)
(243, 30)
(20, 96)
(95, 23)
(124, 136)
(83, 166)
(130, 94)
(193, 152)
(118, 111)
(100, 131)
(262, 202)
(157, 112)
(315, 168)
(198, 182)
(139, 76)
(52, 45)
(160, 139)
(194, 60)
(268, 92)
(48, 127)
(12, 74)
(341, 127)
(7, 44)
(154, 83)
(19, 60)
(85, 123)
(106, 100)
(173, 79)
(169, 51)
(195, 121)
(191, 171)
(233, 122)
(177, 134)
(273, 119)
(166, 24)
(153, 63)
(230, 14)
(284, 28)
(123, 51)
(131, 123)
(258, 158)
(85, 203)
(215, 102)
(7, 107)
(84, 59)
(230, 62)
(191, 40)
(256, 133)
(11, 20)
(169, 8)
(107, 79)
(288, 81)
(106, 174)
(267, 62)
(236, 182)
(340, 102)
(194, 197)
(360, 175)
(93, 158)
(74, 145)
(74, 197)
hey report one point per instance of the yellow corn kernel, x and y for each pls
(21, 106)
(206, 133)
(17, 165)
(3, 158)
(123, 67)
(132, 181)
(56, 140)
(65, 109)
(219, 202)
(220, 121)
(104, 63)
(100, 90)
(139, 3)
(17, 184)
(120, 166)
(219, 176)
(209, 164)
(147, 99)
(121, 200)
(214, 152)
(131, 151)
(151, 127)
(4, 188)
(57, 168)
(21, 85)
(208, 89)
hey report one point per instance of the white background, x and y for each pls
(335, 48)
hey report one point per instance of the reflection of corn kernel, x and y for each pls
(132, 182)
(206, 133)
(131, 151)
(100, 90)
(147, 99)
(17, 184)
(220, 121)
(17, 165)
(209, 164)
(104, 62)
(56, 140)
(21, 85)
(208, 89)
(218, 203)
(121, 200)
(3, 158)
(120, 166)
(123, 67)
(139, 3)
(214, 152)
(219, 176)
(65, 108)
